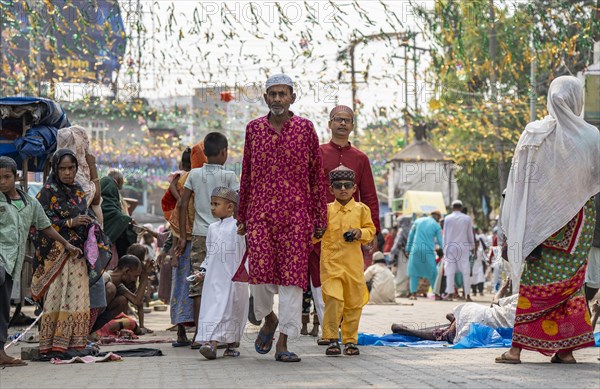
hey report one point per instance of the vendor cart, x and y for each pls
(28, 129)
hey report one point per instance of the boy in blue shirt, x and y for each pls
(201, 182)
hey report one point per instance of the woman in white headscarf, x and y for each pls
(76, 139)
(548, 218)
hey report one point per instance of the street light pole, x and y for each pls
(353, 75)
(415, 67)
(405, 92)
(405, 36)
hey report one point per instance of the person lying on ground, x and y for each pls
(500, 314)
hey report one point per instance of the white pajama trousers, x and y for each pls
(290, 306)
(317, 295)
(458, 266)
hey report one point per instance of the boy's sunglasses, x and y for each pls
(340, 185)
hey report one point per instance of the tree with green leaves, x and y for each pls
(481, 60)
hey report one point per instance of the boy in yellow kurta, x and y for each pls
(342, 278)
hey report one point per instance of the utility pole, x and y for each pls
(415, 60)
(353, 75)
(138, 9)
(496, 121)
(405, 93)
(405, 37)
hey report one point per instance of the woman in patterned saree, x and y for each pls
(548, 217)
(60, 279)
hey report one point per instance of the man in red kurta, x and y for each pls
(282, 205)
(339, 151)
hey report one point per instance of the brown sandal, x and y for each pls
(351, 349)
(208, 351)
(505, 359)
(334, 349)
(323, 342)
(231, 352)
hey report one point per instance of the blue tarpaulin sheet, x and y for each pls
(480, 336)
(396, 340)
(45, 118)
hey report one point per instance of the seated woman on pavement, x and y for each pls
(500, 314)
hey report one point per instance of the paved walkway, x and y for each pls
(386, 367)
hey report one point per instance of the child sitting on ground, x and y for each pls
(342, 278)
(224, 312)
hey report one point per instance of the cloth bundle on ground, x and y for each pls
(43, 117)
(110, 357)
(116, 339)
(141, 352)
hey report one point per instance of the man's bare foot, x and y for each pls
(468, 298)
(281, 346)
(399, 329)
(6, 360)
(315, 331)
(181, 335)
(304, 330)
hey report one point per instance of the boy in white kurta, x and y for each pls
(224, 312)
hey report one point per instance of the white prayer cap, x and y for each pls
(457, 202)
(385, 231)
(279, 79)
(378, 257)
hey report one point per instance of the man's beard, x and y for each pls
(277, 111)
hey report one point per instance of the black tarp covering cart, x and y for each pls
(28, 129)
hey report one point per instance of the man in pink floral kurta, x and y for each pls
(282, 205)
